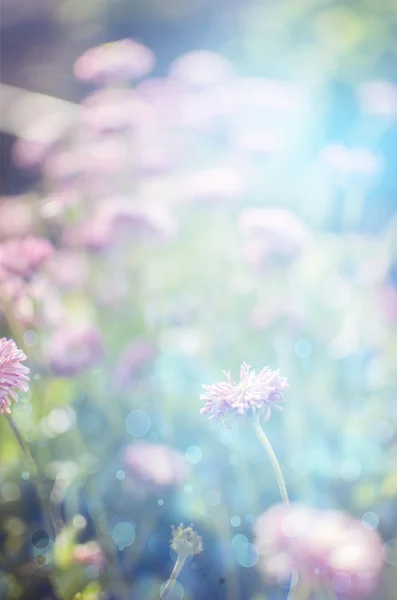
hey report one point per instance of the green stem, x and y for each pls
(34, 471)
(169, 586)
(273, 459)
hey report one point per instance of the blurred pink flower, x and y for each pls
(74, 349)
(214, 185)
(23, 257)
(13, 375)
(90, 553)
(115, 110)
(115, 62)
(272, 235)
(155, 464)
(68, 269)
(388, 302)
(329, 546)
(201, 68)
(138, 355)
(16, 217)
(253, 394)
(378, 98)
(259, 93)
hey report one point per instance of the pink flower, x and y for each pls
(23, 257)
(327, 545)
(155, 464)
(201, 68)
(16, 217)
(13, 375)
(73, 350)
(90, 553)
(138, 355)
(253, 394)
(214, 185)
(115, 62)
(273, 235)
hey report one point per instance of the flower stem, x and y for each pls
(34, 471)
(169, 586)
(299, 592)
(273, 459)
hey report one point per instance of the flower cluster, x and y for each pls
(185, 541)
(255, 393)
(13, 375)
(155, 464)
(315, 544)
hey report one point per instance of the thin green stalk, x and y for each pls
(169, 586)
(273, 459)
(34, 471)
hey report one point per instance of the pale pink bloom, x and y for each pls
(348, 161)
(94, 235)
(272, 235)
(23, 257)
(114, 110)
(119, 61)
(378, 98)
(155, 465)
(136, 357)
(214, 185)
(74, 349)
(201, 68)
(259, 93)
(328, 546)
(29, 154)
(90, 554)
(16, 217)
(13, 375)
(254, 393)
(68, 269)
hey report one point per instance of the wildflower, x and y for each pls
(329, 546)
(155, 464)
(185, 541)
(201, 68)
(134, 361)
(73, 350)
(273, 236)
(115, 61)
(23, 257)
(13, 375)
(254, 394)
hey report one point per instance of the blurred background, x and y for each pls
(220, 189)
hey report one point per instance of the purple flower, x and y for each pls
(253, 394)
(155, 465)
(136, 357)
(25, 256)
(72, 350)
(13, 375)
(115, 62)
(329, 546)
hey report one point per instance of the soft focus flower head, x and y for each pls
(73, 350)
(13, 375)
(119, 61)
(16, 217)
(155, 464)
(23, 257)
(90, 553)
(201, 68)
(136, 357)
(185, 541)
(378, 98)
(329, 545)
(254, 394)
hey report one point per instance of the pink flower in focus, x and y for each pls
(136, 357)
(73, 350)
(23, 257)
(201, 68)
(90, 553)
(155, 464)
(119, 61)
(329, 546)
(253, 394)
(13, 375)
(272, 235)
